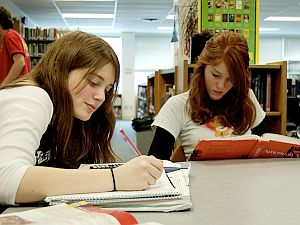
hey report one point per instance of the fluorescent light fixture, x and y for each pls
(90, 28)
(268, 29)
(164, 28)
(283, 18)
(170, 17)
(87, 15)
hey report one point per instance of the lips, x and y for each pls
(218, 92)
(91, 106)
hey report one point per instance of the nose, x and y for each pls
(100, 95)
(221, 84)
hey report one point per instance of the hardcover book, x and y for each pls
(74, 214)
(269, 145)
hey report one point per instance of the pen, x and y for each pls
(127, 139)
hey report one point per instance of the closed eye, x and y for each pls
(216, 75)
(93, 83)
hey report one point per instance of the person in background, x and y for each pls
(14, 56)
(60, 116)
(219, 103)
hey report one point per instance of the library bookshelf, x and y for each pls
(160, 85)
(151, 99)
(38, 41)
(184, 76)
(141, 101)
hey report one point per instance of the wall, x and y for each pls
(152, 53)
(270, 50)
(279, 49)
(282, 49)
(142, 55)
(292, 48)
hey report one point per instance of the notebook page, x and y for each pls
(161, 189)
(160, 205)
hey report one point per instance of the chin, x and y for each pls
(216, 98)
(83, 118)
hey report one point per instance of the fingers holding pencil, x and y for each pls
(141, 171)
(138, 173)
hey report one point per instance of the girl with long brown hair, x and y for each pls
(60, 116)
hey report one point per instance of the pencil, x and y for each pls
(127, 139)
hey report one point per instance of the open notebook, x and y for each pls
(161, 190)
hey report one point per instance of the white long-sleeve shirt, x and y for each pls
(25, 113)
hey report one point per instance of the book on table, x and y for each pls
(169, 193)
(74, 214)
(268, 145)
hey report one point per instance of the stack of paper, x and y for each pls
(169, 193)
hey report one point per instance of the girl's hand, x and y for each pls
(138, 173)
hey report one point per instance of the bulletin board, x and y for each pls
(232, 15)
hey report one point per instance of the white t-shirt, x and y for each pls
(174, 118)
(25, 113)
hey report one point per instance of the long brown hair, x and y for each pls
(235, 108)
(76, 141)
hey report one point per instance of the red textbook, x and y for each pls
(74, 214)
(247, 147)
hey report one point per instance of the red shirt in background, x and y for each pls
(12, 44)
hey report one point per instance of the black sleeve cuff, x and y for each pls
(162, 144)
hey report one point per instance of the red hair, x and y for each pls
(235, 108)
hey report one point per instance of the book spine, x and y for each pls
(268, 93)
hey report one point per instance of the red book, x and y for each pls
(124, 218)
(73, 214)
(247, 147)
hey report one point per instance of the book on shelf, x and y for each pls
(74, 214)
(268, 93)
(268, 145)
(261, 86)
(41, 34)
(169, 193)
(169, 89)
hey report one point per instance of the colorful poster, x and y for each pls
(231, 15)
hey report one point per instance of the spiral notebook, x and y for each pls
(162, 190)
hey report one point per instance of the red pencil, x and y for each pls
(127, 139)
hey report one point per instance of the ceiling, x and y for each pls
(129, 15)
(280, 8)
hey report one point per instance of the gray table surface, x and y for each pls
(244, 192)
